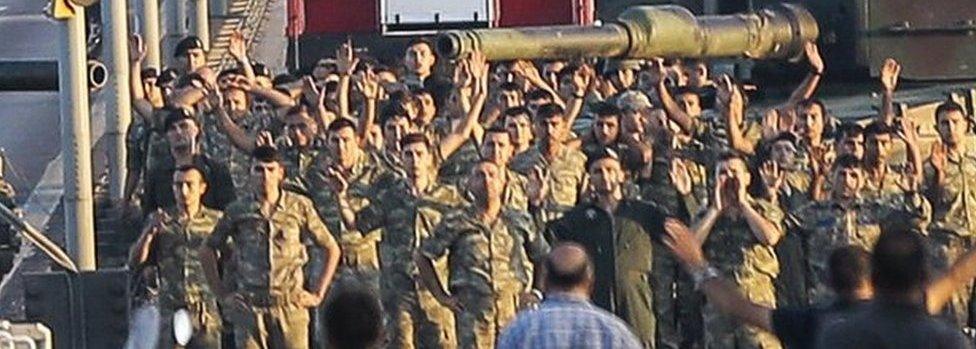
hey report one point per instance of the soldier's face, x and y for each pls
(811, 123)
(194, 59)
(182, 135)
(486, 181)
(534, 104)
(188, 187)
(734, 168)
(519, 129)
(417, 159)
(426, 106)
(497, 148)
(783, 153)
(508, 99)
(236, 102)
(632, 122)
(300, 129)
(606, 129)
(690, 103)
(847, 182)
(266, 176)
(877, 146)
(393, 131)
(853, 145)
(419, 58)
(952, 127)
(344, 144)
(606, 175)
(552, 129)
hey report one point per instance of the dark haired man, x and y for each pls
(848, 218)
(354, 320)
(264, 231)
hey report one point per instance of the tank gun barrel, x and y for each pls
(643, 32)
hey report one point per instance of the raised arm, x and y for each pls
(582, 83)
(889, 81)
(346, 63)
(369, 86)
(141, 250)
(812, 80)
(137, 54)
(238, 50)
(671, 107)
(479, 70)
(702, 226)
(730, 98)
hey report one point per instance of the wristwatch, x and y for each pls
(705, 274)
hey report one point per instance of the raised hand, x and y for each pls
(938, 158)
(683, 243)
(238, 46)
(821, 160)
(336, 180)
(368, 84)
(680, 177)
(907, 131)
(137, 48)
(346, 60)
(908, 180)
(538, 186)
(582, 79)
(772, 176)
(813, 57)
(890, 71)
(265, 139)
(718, 195)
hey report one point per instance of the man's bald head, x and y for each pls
(569, 268)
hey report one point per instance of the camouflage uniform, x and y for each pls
(416, 319)
(488, 269)
(887, 186)
(567, 176)
(298, 161)
(677, 307)
(953, 229)
(182, 279)
(734, 250)
(268, 256)
(216, 145)
(791, 286)
(828, 225)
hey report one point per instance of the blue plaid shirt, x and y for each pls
(565, 321)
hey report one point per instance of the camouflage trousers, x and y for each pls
(484, 317)
(791, 283)
(723, 331)
(677, 306)
(206, 325)
(946, 247)
(416, 319)
(282, 326)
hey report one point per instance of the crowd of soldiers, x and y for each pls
(443, 184)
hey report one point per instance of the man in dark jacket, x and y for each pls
(618, 233)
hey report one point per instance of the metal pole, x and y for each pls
(202, 22)
(79, 227)
(118, 106)
(150, 32)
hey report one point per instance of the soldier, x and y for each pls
(491, 250)
(169, 242)
(739, 232)
(619, 234)
(604, 131)
(269, 304)
(950, 184)
(407, 210)
(848, 218)
(231, 108)
(881, 175)
(564, 166)
(518, 122)
(851, 140)
(496, 146)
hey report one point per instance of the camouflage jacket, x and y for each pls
(660, 190)
(174, 250)
(487, 259)
(954, 204)
(268, 254)
(734, 249)
(828, 225)
(406, 220)
(216, 145)
(567, 175)
(298, 162)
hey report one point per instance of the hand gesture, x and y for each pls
(907, 131)
(813, 57)
(821, 160)
(336, 180)
(538, 186)
(308, 299)
(889, 74)
(938, 158)
(215, 98)
(137, 48)
(772, 176)
(265, 139)
(526, 70)
(908, 180)
(238, 46)
(718, 193)
(463, 78)
(770, 124)
(658, 71)
(346, 61)
(582, 79)
(683, 243)
(368, 84)
(680, 177)
(157, 222)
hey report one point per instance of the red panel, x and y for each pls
(518, 13)
(341, 16)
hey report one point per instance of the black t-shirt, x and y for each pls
(158, 191)
(798, 327)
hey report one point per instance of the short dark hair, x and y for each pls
(392, 111)
(422, 41)
(847, 130)
(266, 153)
(878, 128)
(260, 69)
(683, 90)
(899, 261)
(601, 154)
(341, 123)
(730, 155)
(537, 95)
(283, 78)
(516, 111)
(510, 86)
(191, 167)
(948, 107)
(188, 43)
(784, 137)
(606, 110)
(847, 161)
(354, 319)
(849, 267)
(413, 138)
(810, 102)
(297, 109)
(495, 129)
(228, 72)
(175, 115)
(548, 111)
